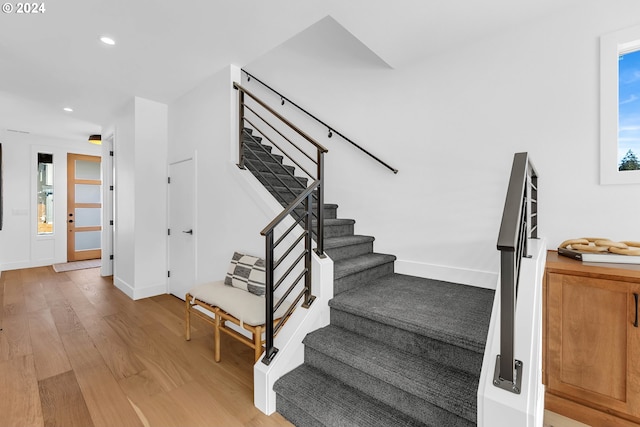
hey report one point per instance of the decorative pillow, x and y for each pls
(246, 272)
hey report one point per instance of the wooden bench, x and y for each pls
(230, 304)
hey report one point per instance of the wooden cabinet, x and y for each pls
(591, 350)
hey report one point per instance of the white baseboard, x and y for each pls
(139, 293)
(477, 278)
(150, 291)
(18, 265)
(124, 287)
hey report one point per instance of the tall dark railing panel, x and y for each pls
(275, 133)
(273, 279)
(331, 131)
(519, 223)
(288, 252)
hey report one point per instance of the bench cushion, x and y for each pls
(243, 305)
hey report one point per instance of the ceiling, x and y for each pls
(54, 59)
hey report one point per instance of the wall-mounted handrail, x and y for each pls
(331, 129)
(519, 223)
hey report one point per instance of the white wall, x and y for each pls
(151, 141)
(140, 156)
(451, 125)
(20, 246)
(124, 187)
(228, 218)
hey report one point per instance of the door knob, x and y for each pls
(188, 232)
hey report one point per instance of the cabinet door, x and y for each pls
(634, 350)
(589, 339)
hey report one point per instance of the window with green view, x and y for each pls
(629, 111)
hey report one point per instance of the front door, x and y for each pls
(182, 239)
(84, 207)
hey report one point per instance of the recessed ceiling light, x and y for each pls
(107, 40)
(68, 110)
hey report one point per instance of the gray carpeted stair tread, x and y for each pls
(256, 164)
(337, 221)
(336, 242)
(435, 383)
(265, 157)
(445, 311)
(347, 246)
(297, 184)
(255, 143)
(420, 345)
(360, 263)
(306, 387)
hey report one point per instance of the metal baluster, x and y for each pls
(270, 350)
(241, 129)
(320, 206)
(308, 298)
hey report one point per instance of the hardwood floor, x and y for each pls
(552, 419)
(75, 351)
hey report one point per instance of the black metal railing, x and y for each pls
(330, 130)
(287, 256)
(519, 223)
(309, 159)
(295, 264)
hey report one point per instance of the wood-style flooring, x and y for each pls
(76, 351)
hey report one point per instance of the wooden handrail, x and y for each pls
(287, 211)
(281, 118)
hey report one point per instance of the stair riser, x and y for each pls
(419, 345)
(361, 278)
(282, 194)
(282, 180)
(274, 158)
(338, 230)
(344, 252)
(294, 414)
(285, 200)
(329, 212)
(255, 146)
(423, 410)
(279, 168)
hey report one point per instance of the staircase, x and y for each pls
(400, 350)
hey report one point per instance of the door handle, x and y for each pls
(188, 232)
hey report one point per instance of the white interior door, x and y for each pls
(182, 232)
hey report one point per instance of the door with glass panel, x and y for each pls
(84, 207)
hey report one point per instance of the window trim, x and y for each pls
(611, 46)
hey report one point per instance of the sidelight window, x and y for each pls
(45, 193)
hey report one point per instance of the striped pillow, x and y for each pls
(246, 272)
